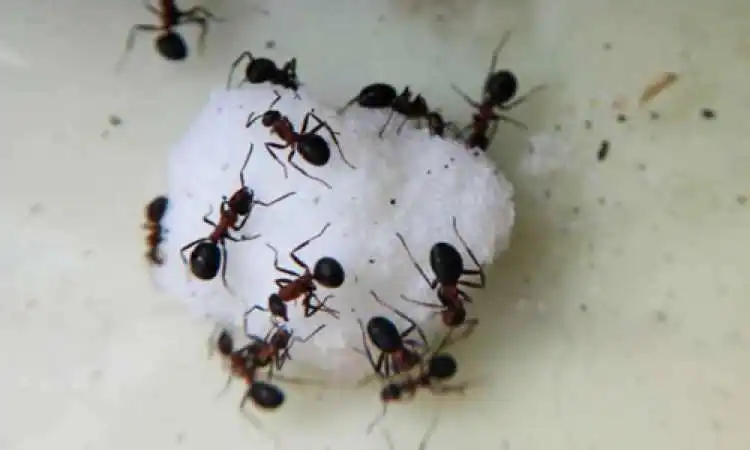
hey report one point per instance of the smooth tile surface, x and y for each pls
(617, 320)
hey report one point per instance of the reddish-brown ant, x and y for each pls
(310, 145)
(155, 211)
(447, 264)
(264, 70)
(416, 108)
(209, 253)
(170, 45)
(498, 90)
(439, 368)
(272, 351)
(398, 354)
(326, 271)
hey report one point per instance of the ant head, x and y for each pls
(328, 272)
(391, 392)
(500, 87)
(453, 317)
(241, 201)
(265, 395)
(442, 366)
(225, 343)
(171, 46)
(270, 117)
(156, 209)
(277, 306)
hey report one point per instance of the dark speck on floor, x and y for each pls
(653, 115)
(622, 118)
(741, 199)
(115, 120)
(558, 127)
(393, 201)
(587, 124)
(576, 210)
(36, 208)
(602, 200)
(453, 159)
(661, 316)
(708, 113)
(641, 167)
(371, 261)
(270, 44)
(429, 172)
(446, 166)
(583, 307)
(476, 154)
(601, 155)
(607, 46)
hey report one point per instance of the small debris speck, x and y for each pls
(641, 167)
(607, 46)
(558, 127)
(653, 115)
(371, 261)
(548, 194)
(36, 208)
(622, 118)
(583, 307)
(587, 124)
(429, 172)
(708, 113)
(446, 166)
(453, 159)
(603, 150)
(741, 199)
(476, 154)
(270, 44)
(115, 120)
(393, 201)
(661, 316)
(602, 200)
(381, 18)
(576, 210)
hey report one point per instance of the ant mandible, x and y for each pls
(500, 86)
(262, 70)
(439, 368)
(447, 264)
(397, 353)
(210, 253)
(170, 44)
(155, 211)
(272, 351)
(310, 145)
(326, 271)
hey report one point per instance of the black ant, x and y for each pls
(262, 70)
(311, 146)
(155, 211)
(210, 253)
(272, 351)
(262, 394)
(439, 367)
(326, 271)
(447, 264)
(397, 353)
(499, 88)
(170, 44)
(372, 96)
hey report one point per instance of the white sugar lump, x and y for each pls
(410, 183)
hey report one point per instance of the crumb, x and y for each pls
(429, 172)
(587, 124)
(602, 200)
(576, 210)
(622, 118)
(641, 167)
(583, 307)
(446, 166)
(708, 113)
(653, 115)
(741, 199)
(603, 150)
(607, 46)
(270, 44)
(115, 120)
(393, 201)
(661, 316)
(453, 159)
(371, 261)
(665, 80)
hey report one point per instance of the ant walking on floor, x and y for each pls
(155, 211)
(264, 70)
(500, 87)
(170, 44)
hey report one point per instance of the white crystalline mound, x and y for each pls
(429, 179)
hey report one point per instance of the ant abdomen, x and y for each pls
(501, 87)
(328, 272)
(442, 366)
(260, 70)
(446, 262)
(315, 150)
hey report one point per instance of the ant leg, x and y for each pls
(495, 53)
(188, 246)
(244, 165)
(304, 172)
(376, 365)
(279, 268)
(402, 125)
(151, 8)
(518, 124)
(523, 97)
(203, 24)
(412, 324)
(236, 63)
(425, 304)
(199, 12)
(346, 106)
(468, 329)
(311, 309)
(251, 119)
(433, 284)
(293, 253)
(479, 271)
(274, 201)
(327, 127)
(242, 238)
(270, 146)
(247, 313)
(385, 125)
(309, 336)
(428, 434)
(130, 41)
(465, 96)
(224, 266)
(275, 100)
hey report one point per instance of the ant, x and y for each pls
(326, 271)
(261, 393)
(447, 264)
(397, 354)
(155, 211)
(272, 351)
(439, 368)
(210, 253)
(500, 86)
(372, 96)
(170, 44)
(311, 146)
(262, 70)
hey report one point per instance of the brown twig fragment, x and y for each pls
(665, 80)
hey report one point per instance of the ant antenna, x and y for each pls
(377, 419)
